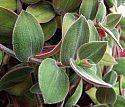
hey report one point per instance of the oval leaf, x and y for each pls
(49, 29)
(66, 5)
(122, 24)
(30, 1)
(77, 35)
(28, 37)
(111, 78)
(111, 35)
(93, 51)
(106, 95)
(120, 102)
(67, 24)
(42, 11)
(7, 21)
(14, 76)
(88, 75)
(120, 67)
(76, 96)
(107, 60)
(94, 36)
(10, 4)
(111, 3)
(112, 20)
(89, 8)
(35, 89)
(101, 13)
(53, 82)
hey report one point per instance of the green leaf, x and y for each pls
(93, 51)
(77, 35)
(91, 93)
(120, 102)
(68, 20)
(42, 11)
(120, 67)
(35, 89)
(1, 56)
(88, 75)
(106, 95)
(111, 35)
(53, 82)
(20, 88)
(30, 1)
(10, 4)
(111, 3)
(7, 21)
(101, 13)
(66, 5)
(112, 20)
(14, 76)
(28, 37)
(76, 96)
(116, 34)
(94, 36)
(101, 105)
(89, 8)
(49, 29)
(122, 24)
(111, 78)
(108, 60)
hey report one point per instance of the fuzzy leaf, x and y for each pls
(28, 37)
(122, 24)
(66, 5)
(91, 93)
(76, 96)
(111, 78)
(111, 3)
(53, 82)
(88, 75)
(120, 67)
(89, 8)
(106, 95)
(42, 11)
(120, 102)
(93, 51)
(112, 20)
(68, 20)
(94, 36)
(35, 89)
(49, 29)
(30, 1)
(77, 35)
(107, 60)
(9, 4)
(14, 76)
(7, 21)
(111, 35)
(101, 13)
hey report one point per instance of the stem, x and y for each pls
(119, 81)
(7, 50)
(32, 59)
(15, 102)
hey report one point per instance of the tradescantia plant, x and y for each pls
(62, 53)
